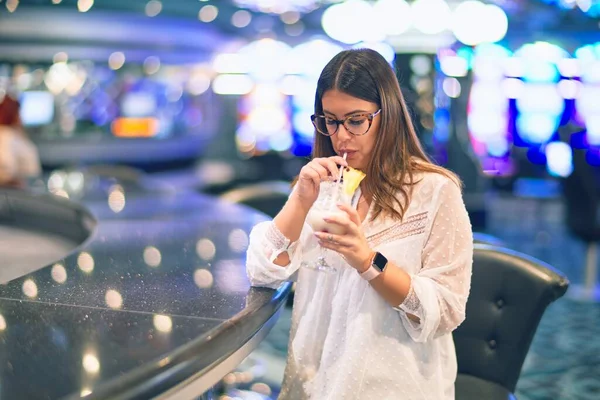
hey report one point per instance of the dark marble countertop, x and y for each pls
(158, 293)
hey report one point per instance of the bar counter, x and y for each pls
(151, 302)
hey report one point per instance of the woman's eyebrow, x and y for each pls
(350, 113)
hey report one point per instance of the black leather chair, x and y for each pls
(581, 192)
(267, 197)
(509, 294)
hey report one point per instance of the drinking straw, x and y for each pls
(336, 195)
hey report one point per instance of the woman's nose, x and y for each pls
(343, 133)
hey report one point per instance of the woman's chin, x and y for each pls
(356, 165)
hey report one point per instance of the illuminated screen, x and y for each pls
(37, 108)
(135, 127)
(138, 104)
(528, 108)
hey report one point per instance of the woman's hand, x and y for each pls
(352, 245)
(311, 176)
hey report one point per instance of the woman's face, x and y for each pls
(338, 105)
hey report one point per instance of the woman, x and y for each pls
(18, 156)
(379, 328)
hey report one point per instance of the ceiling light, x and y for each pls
(208, 13)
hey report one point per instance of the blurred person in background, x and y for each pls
(380, 326)
(581, 190)
(19, 158)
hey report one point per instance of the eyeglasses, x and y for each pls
(357, 124)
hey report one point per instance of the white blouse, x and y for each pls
(346, 341)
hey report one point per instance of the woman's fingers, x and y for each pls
(317, 172)
(341, 220)
(326, 168)
(332, 241)
(352, 213)
(332, 164)
(307, 173)
(350, 221)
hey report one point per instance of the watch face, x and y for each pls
(380, 261)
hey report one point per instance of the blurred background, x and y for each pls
(216, 96)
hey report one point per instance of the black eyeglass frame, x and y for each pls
(338, 122)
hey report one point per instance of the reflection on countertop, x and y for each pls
(162, 269)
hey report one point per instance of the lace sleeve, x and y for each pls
(266, 243)
(276, 243)
(439, 291)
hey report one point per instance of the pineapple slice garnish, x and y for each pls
(352, 178)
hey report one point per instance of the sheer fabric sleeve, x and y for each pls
(266, 243)
(439, 291)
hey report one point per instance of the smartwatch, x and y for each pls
(376, 268)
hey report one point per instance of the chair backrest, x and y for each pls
(267, 197)
(509, 294)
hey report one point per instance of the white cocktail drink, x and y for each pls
(331, 193)
(318, 224)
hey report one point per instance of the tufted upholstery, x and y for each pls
(509, 294)
(267, 197)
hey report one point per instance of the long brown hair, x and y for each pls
(397, 155)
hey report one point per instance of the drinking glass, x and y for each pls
(330, 195)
